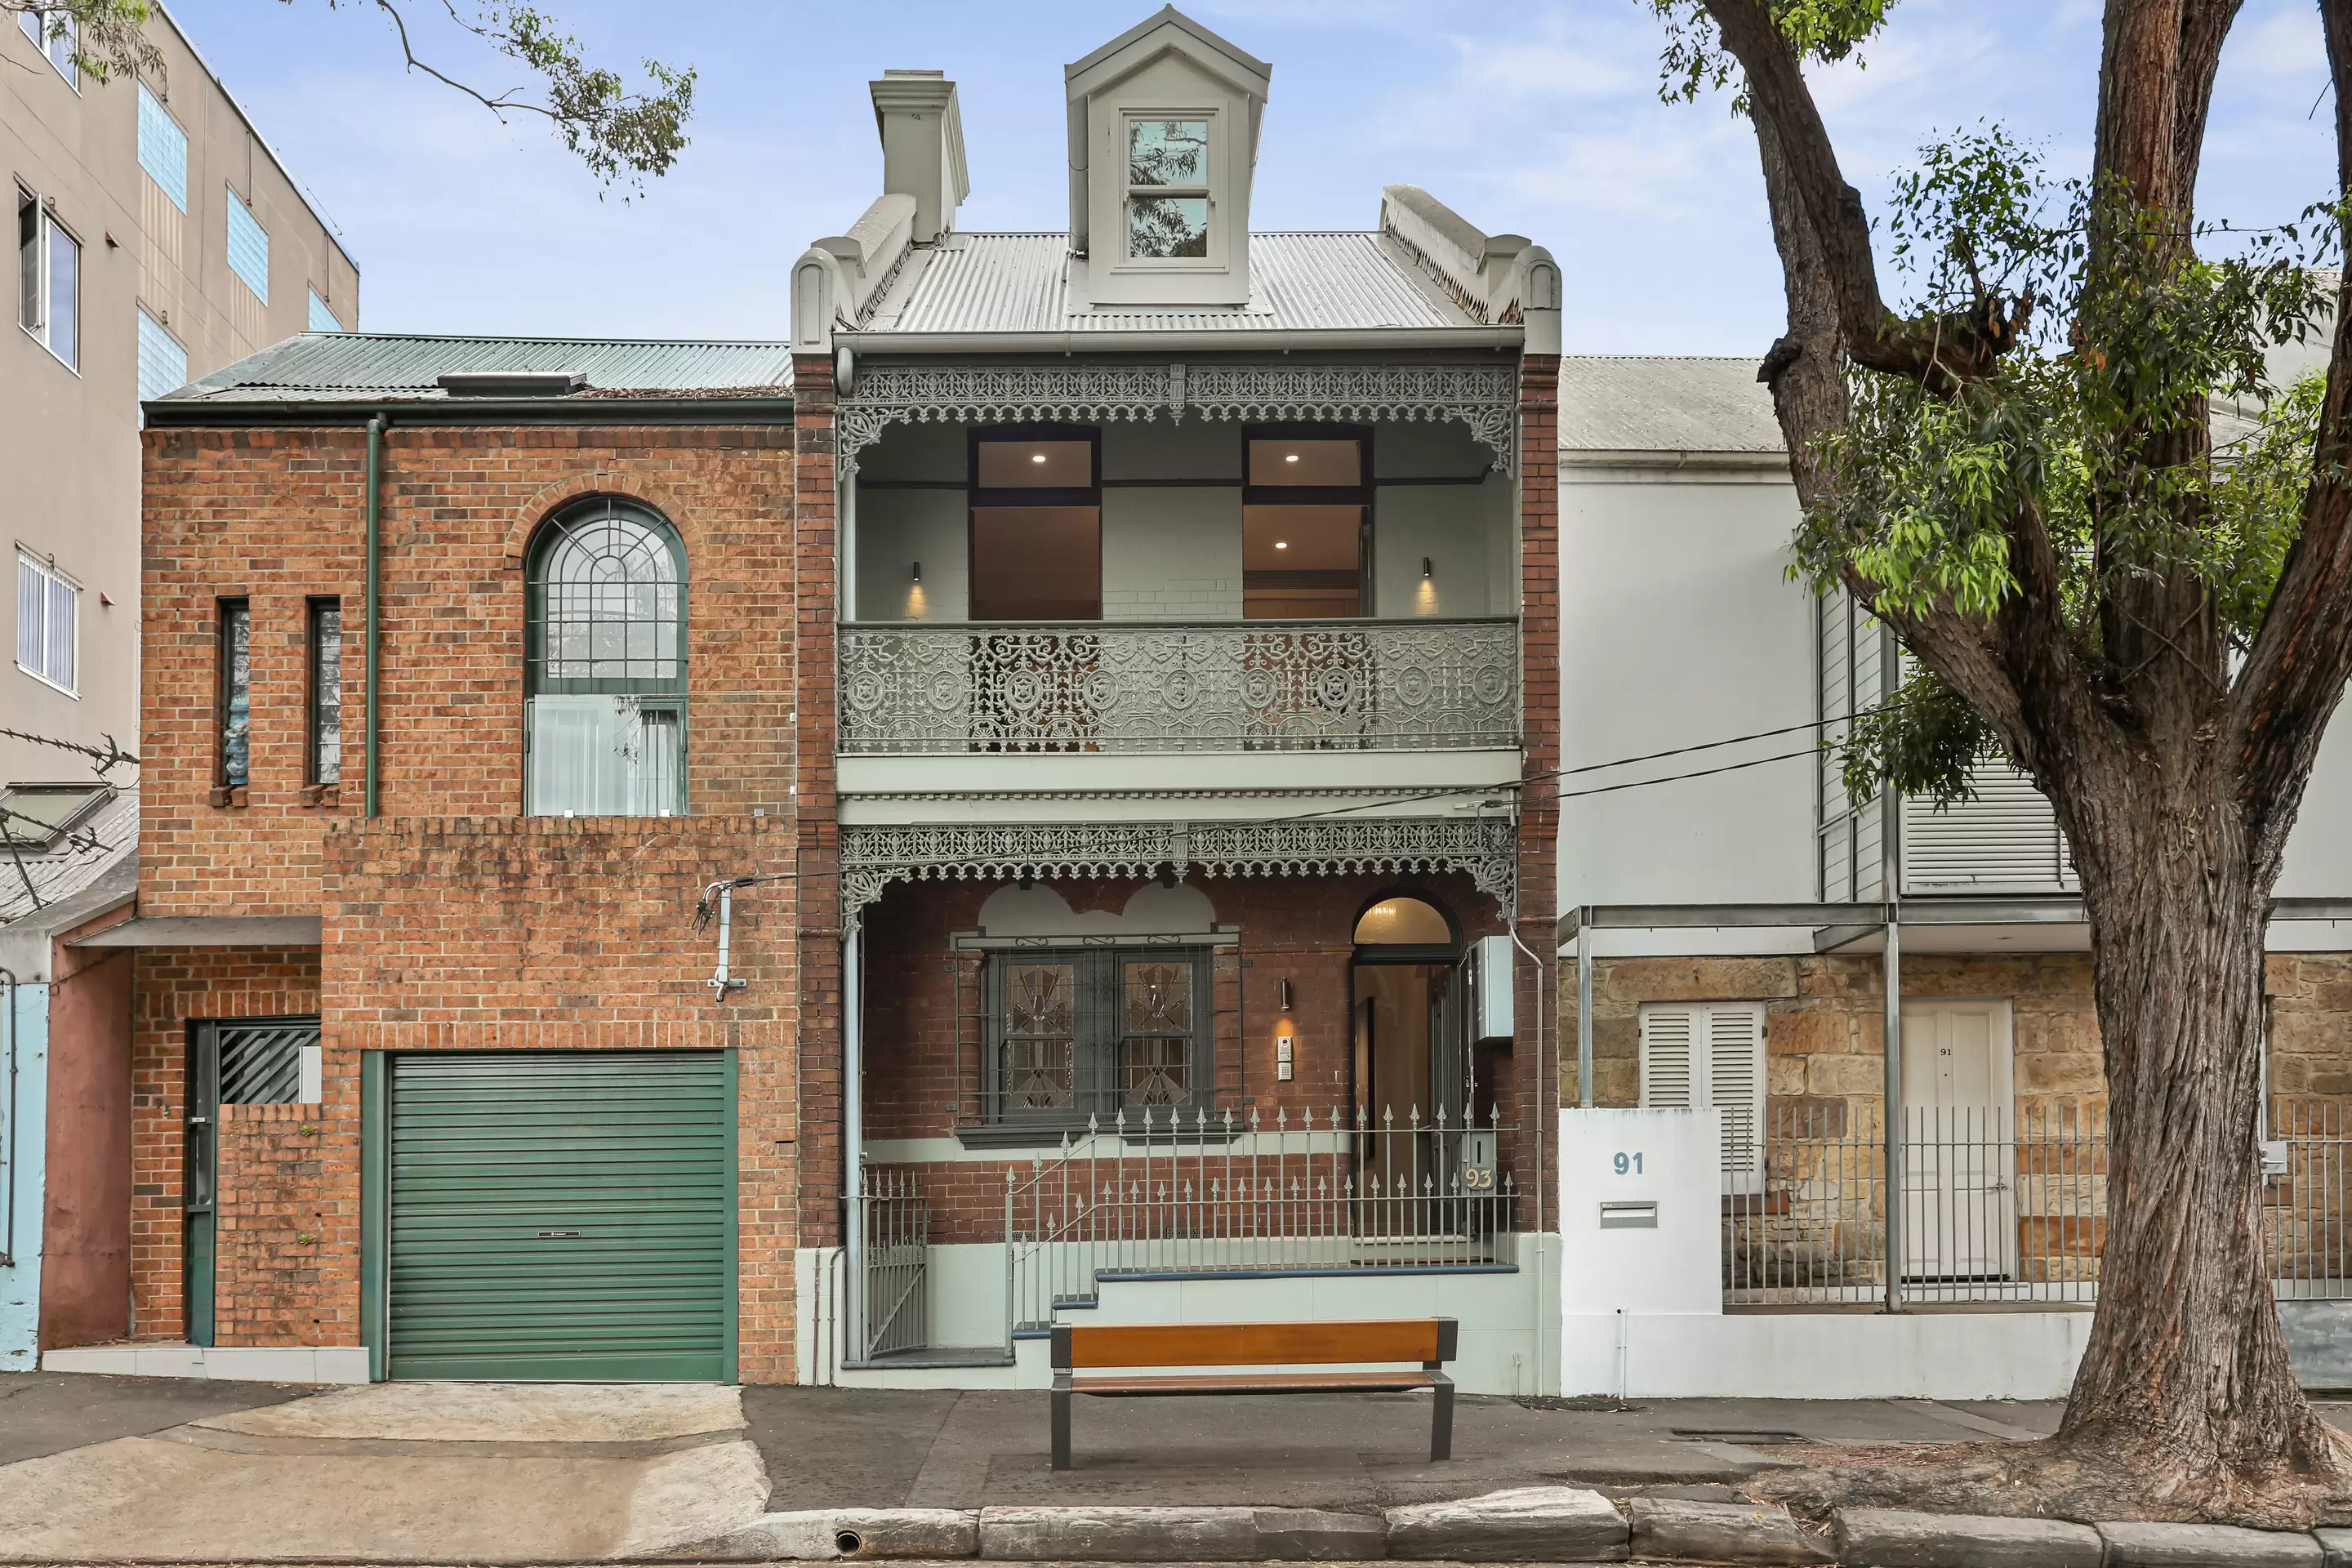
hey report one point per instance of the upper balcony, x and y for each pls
(1202, 588)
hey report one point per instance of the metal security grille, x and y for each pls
(261, 1064)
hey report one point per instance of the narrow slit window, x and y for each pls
(325, 737)
(236, 694)
(249, 247)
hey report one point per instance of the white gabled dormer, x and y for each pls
(1163, 141)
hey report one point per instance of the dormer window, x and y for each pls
(1167, 194)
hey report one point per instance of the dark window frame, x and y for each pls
(313, 709)
(665, 694)
(1360, 494)
(1099, 1061)
(976, 498)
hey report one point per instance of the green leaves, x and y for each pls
(108, 37)
(1924, 742)
(1694, 59)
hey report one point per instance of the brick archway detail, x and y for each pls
(559, 493)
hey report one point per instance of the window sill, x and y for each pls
(326, 798)
(229, 797)
(23, 669)
(1049, 1135)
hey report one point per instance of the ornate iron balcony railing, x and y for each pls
(940, 689)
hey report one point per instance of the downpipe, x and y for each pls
(15, 1132)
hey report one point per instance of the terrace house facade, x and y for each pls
(1030, 798)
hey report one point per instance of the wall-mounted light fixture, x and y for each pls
(1424, 568)
(1282, 989)
(918, 572)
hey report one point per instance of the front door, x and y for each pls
(1960, 1213)
(231, 1061)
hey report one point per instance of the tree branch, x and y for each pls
(1939, 352)
(2302, 657)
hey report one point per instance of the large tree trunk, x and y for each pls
(2184, 1380)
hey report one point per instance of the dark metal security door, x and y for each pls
(562, 1216)
(243, 1061)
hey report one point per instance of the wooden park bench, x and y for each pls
(1430, 1341)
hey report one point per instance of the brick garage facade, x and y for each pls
(453, 922)
(924, 1031)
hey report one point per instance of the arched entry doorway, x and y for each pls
(1412, 1066)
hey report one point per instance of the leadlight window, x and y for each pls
(236, 699)
(606, 726)
(1166, 188)
(324, 739)
(1093, 1032)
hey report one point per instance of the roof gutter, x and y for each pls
(1241, 340)
(214, 413)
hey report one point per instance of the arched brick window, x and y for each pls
(606, 664)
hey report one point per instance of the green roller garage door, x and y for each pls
(560, 1215)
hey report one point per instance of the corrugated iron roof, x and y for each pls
(1637, 404)
(30, 882)
(1298, 282)
(350, 366)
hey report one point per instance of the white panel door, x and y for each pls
(1960, 1211)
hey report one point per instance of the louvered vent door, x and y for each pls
(560, 1216)
(1703, 1056)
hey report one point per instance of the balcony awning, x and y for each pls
(208, 931)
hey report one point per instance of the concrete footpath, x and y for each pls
(95, 1468)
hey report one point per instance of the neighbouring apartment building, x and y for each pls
(816, 860)
(1738, 935)
(157, 238)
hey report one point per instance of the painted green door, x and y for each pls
(560, 1215)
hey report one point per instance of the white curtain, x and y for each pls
(604, 756)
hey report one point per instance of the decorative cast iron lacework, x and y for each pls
(1485, 397)
(873, 857)
(1244, 686)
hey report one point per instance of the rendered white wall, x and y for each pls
(2319, 852)
(24, 1136)
(898, 529)
(1453, 526)
(1824, 1355)
(1171, 554)
(1671, 1158)
(1677, 626)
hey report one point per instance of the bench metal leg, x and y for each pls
(1061, 1428)
(1441, 1423)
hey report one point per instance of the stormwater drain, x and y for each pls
(1744, 1434)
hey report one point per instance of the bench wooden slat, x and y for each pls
(1273, 1383)
(1255, 1344)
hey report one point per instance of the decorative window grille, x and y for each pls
(47, 608)
(249, 247)
(606, 674)
(162, 363)
(163, 148)
(1091, 1032)
(1701, 1056)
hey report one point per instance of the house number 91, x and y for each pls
(1629, 1164)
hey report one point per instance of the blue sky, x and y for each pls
(1540, 118)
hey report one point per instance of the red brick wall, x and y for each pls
(283, 1231)
(816, 609)
(1536, 1079)
(923, 1029)
(452, 922)
(174, 986)
(276, 516)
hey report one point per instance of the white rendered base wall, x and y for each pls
(1824, 1355)
(1642, 1294)
(253, 1363)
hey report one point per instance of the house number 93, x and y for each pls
(1629, 1164)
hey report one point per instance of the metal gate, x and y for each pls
(894, 1237)
(562, 1216)
(231, 1061)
